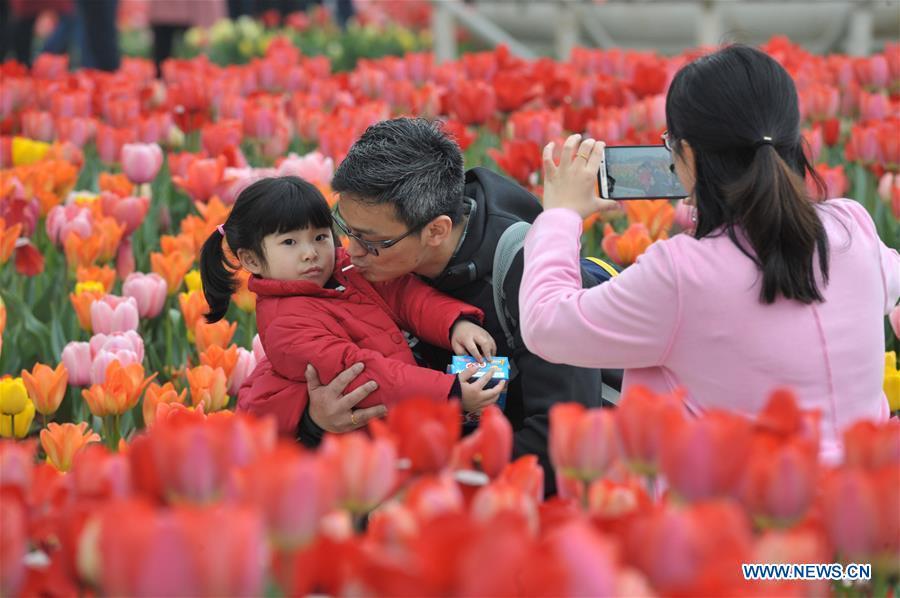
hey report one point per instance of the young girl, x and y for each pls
(312, 307)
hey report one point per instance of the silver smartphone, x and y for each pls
(638, 172)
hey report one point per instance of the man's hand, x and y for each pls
(469, 338)
(334, 412)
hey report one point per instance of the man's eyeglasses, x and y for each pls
(667, 141)
(372, 247)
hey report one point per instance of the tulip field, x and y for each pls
(124, 469)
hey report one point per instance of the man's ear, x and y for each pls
(250, 261)
(437, 231)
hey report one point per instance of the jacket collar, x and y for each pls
(267, 287)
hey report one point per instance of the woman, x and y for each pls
(771, 289)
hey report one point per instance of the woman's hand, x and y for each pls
(334, 412)
(469, 338)
(573, 184)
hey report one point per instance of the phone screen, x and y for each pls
(639, 172)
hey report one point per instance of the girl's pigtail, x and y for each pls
(219, 282)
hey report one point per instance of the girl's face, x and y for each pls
(301, 254)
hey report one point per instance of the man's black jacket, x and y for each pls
(499, 203)
(496, 203)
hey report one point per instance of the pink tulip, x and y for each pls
(502, 498)
(365, 470)
(141, 161)
(114, 314)
(129, 211)
(101, 362)
(779, 482)
(76, 356)
(14, 539)
(62, 220)
(125, 259)
(873, 106)
(815, 138)
(313, 167)
(895, 320)
(38, 125)
(148, 290)
(127, 341)
(258, 352)
(246, 363)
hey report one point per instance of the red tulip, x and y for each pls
(365, 470)
(29, 261)
(539, 126)
(872, 71)
(154, 127)
(705, 457)
(473, 102)
(649, 78)
(294, 491)
(38, 125)
(779, 481)
(514, 90)
(572, 560)
(110, 140)
(141, 161)
(71, 103)
(424, 431)
(583, 442)
(203, 178)
(836, 182)
(217, 137)
(691, 551)
(641, 421)
(526, 474)
(212, 551)
(433, 496)
(76, 130)
(872, 445)
(13, 544)
(519, 159)
(128, 211)
(502, 499)
(490, 445)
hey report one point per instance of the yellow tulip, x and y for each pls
(22, 420)
(13, 396)
(27, 151)
(892, 380)
(193, 281)
(90, 285)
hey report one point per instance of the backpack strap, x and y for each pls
(511, 241)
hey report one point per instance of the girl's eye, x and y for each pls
(287, 242)
(322, 237)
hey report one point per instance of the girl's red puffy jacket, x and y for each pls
(301, 323)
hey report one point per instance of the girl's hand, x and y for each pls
(469, 338)
(474, 396)
(573, 184)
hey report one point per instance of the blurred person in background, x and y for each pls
(100, 49)
(169, 18)
(19, 18)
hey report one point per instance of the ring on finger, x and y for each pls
(586, 158)
(353, 417)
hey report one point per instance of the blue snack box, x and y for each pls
(460, 362)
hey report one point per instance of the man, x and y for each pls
(407, 206)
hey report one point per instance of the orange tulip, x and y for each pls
(8, 238)
(198, 230)
(102, 274)
(217, 357)
(81, 301)
(116, 183)
(179, 244)
(207, 335)
(244, 298)
(82, 251)
(62, 442)
(2, 316)
(120, 391)
(209, 386)
(156, 395)
(625, 248)
(172, 267)
(215, 212)
(193, 307)
(46, 386)
(110, 232)
(203, 177)
(657, 216)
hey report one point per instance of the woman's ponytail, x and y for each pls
(772, 207)
(219, 283)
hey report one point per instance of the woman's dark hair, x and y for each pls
(267, 206)
(737, 108)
